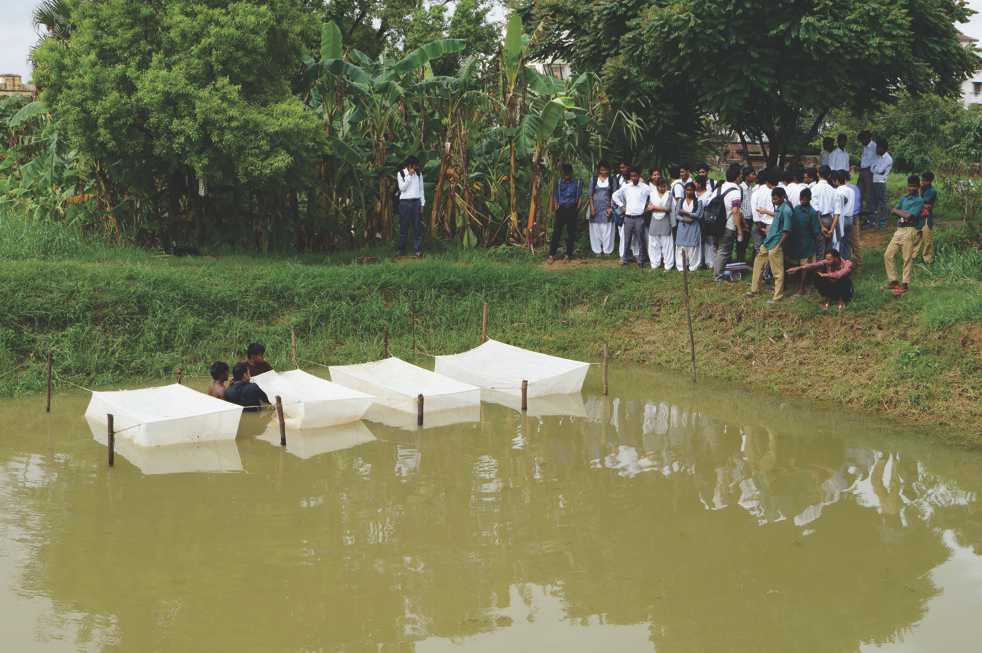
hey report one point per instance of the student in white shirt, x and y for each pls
(732, 197)
(412, 199)
(709, 241)
(791, 187)
(845, 202)
(661, 245)
(633, 198)
(748, 186)
(600, 211)
(823, 201)
(839, 158)
(866, 161)
(881, 172)
(762, 207)
(623, 178)
(828, 144)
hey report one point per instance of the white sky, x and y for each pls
(17, 35)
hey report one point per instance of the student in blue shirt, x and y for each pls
(566, 204)
(904, 241)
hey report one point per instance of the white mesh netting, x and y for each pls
(310, 402)
(396, 384)
(500, 367)
(168, 415)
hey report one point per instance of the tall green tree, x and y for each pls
(187, 107)
(771, 70)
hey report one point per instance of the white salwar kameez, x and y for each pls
(602, 237)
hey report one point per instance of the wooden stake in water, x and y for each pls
(282, 420)
(50, 357)
(606, 356)
(112, 440)
(525, 396)
(419, 410)
(293, 347)
(484, 323)
(688, 311)
(385, 344)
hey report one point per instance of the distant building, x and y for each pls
(12, 85)
(971, 87)
(558, 69)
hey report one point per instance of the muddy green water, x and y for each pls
(661, 519)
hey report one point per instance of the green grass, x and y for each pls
(116, 314)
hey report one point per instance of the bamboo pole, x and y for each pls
(419, 410)
(281, 419)
(606, 355)
(484, 323)
(385, 344)
(112, 440)
(50, 384)
(525, 396)
(688, 311)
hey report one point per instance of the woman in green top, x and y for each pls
(772, 249)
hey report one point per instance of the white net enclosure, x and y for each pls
(501, 367)
(167, 415)
(315, 442)
(396, 384)
(310, 402)
(219, 457)
(565, 405)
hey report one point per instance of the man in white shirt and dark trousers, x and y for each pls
(839, 157)
(634, 198)
(881, 169)
(412, 199)
(823, 201)
(866, 161)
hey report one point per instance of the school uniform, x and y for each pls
(688, 238)
(634, 202)
(730, 192)
(866, 161)
(823, 201)
(567, 196)
(661, 245)
(772, 253)
(601, 225)
(761, 200)
(412, 199)
(844, 207)
(747, 190)
(839, 159)
(635, 247)
(852, 231)
(709, 241)
(881, 169)
(926, 241)
(794, 193)
(838, 285)
(805, 228)
(904, 238)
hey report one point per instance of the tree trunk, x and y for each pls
(441, 177)
(534, 200)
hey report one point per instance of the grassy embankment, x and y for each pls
(113, 315)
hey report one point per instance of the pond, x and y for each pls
(666, 517)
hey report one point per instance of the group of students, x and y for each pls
(807, 217)
(242, 391)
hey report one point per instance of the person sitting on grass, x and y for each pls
(243, 391)
(909, 220)
(219, 377)
(805, 230)
(772, 249)
(256, 359)
(835, 282)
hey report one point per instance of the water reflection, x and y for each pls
(657, 520)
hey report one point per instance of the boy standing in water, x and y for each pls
(256, 359)
(219, 377)
(909, 220)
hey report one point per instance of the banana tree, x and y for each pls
(378, 90)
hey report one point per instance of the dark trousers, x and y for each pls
(410, 215)
(565, 218)
(834, 289)
(634, 229)
(723, 253)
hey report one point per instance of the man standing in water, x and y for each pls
(219, 377)
(243, 391)
(256, 359)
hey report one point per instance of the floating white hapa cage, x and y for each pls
(502, 368)
(397, 384)
(310, 402)
(315, 442)
(168, 415)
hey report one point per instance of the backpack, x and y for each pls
(714, 215)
